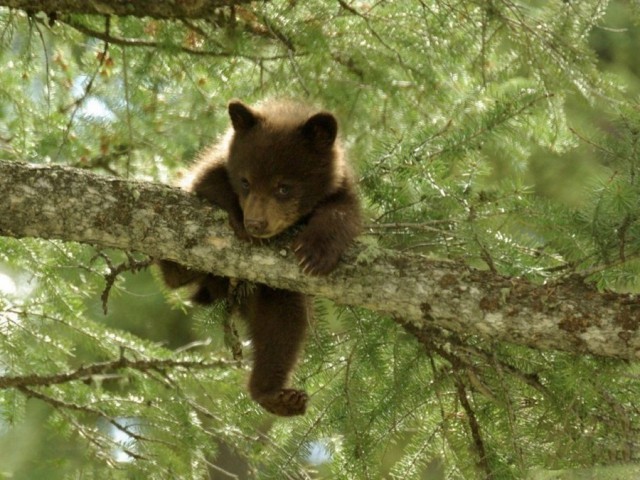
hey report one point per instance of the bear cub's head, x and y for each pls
(283, 160)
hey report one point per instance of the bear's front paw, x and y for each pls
(285, 403)
(316, 254)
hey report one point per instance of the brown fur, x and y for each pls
(280, 165)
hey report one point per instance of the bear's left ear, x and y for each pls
(242, 117)
(321, 130)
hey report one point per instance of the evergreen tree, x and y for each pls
(499, 135)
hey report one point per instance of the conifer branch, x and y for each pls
(478, 441)
(163, 222)
(93, 436)
(107, 368)
(139, 43)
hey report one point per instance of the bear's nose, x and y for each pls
(255, 227)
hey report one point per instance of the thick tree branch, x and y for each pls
(139, 8)
(73, 205)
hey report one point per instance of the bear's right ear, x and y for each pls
(242, 117)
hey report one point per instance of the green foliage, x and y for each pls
(503, 133)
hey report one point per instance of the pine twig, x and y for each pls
(474, 425)
(110, 367)
(131, 265)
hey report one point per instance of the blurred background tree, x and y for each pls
(503, 133)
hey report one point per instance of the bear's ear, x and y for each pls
(321, 130)
(242, 117)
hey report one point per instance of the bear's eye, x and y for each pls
(244, 184)
(283, 191)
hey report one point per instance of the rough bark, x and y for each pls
(73, 205)
(139, 8)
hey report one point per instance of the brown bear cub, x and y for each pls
(280, 165)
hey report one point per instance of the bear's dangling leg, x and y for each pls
(278, 322)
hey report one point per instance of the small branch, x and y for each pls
(135, 42)
(105, 368)
(592, 143)
(474, 425)
(426, 226)
(469, 356)
(62, 405)
(622, 235)
(102, 57)
(469, 139)
(131, 265)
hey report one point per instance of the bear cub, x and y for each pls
(279, 165)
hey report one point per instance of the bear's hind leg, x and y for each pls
(211, 289)
(176, 275)
(278, 322)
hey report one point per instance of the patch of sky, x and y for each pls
(126, 441)
(319, 452)
(92, 107)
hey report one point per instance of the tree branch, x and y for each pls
(140, 8)
(107, 368)
(74, 205)
(135, 42)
